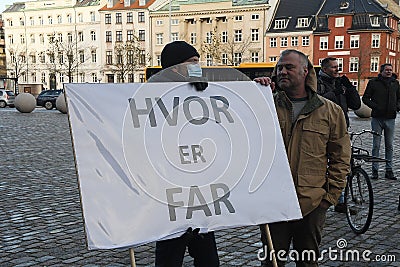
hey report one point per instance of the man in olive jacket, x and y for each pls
(313, 129)
(382, 95)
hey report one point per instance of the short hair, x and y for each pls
(303, 57)
(383, 66)
(325, 62)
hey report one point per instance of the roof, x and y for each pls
(15, 7)
(304, 9)
(135, 5)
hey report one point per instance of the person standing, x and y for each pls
(313, 129)
(340, 91)
(182, 63)
(382, 95)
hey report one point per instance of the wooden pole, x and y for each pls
(132, 255)
(270, 246)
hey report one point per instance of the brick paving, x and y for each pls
(41, 221)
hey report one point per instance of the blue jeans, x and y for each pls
(387, 126)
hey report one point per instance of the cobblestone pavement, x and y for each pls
(41, 221)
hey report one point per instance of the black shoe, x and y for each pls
(389, 175)
(374, 175)
(341, 208)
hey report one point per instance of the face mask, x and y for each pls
(194, 70)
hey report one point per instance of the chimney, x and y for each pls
(142, 2)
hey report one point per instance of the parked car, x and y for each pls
(7, 98)
(48, 98)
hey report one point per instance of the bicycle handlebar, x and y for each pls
(363, 132)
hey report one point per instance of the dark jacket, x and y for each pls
(382, 95)
(340, 91)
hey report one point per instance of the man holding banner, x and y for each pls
(202, 246)
(314, 129)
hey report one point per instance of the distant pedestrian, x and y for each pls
(382, 95)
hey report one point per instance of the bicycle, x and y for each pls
(358, 196)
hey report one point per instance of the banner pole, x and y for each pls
(270, 246)
(132, 255)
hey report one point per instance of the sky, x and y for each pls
(3, 4)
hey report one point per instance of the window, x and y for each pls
(81, 56)
(93, 56)
(69, 18)
(254, 56)
(92, 16)
(142, 57)
(238, 18)
(129, 35)
(295, 41)
(32, 38)
(159, 38)
(118, 36)
(51, 38)
(209, 60)
(237, 58)
(59, 19)
(69, 37)
(272, 42)
(305, 40)
(280, 24)
(208, 37)
(353, 64)
(118, 18)
(33, 77)
(82, 77)
(159, 22)
(60, 37)
(224, 37)
(129, 17)
(40, 20)
(130, 78)
(41, 38)
(140, 16)
(193, 38)
(107, 19)
(22, 38)
(272, 59)
(339, 42)
(255, 35)
(142, 35)
(323, 43)
(174, 21)
(32, 21)
(80, 17)
(109, 57)
(42, 57)
(43, 77)
(224, 58)
(80, 36)
(340, 64)
(354, 41)
(238, 36)
(158, 59)
(339, 22)
(174, 36)
(374, 21)
(93, 35)
(21, 22)
(60, 57)
(284, 41)
(94, 78)
(302, 23)
(374, 64)
(108, 36)
(255, 17)
(10, 39)
(376, 37)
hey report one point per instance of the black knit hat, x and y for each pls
(177, 52)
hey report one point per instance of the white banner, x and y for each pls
(154, 159)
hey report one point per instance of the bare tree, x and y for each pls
(129, 58)
(235, 50)
(17, 63)
(64, 57)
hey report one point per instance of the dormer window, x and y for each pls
(281, 23)
(374, 21)
(302, 22)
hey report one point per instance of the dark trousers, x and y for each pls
(305, 235)
(202, 247)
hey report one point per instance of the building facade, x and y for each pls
(53, 42)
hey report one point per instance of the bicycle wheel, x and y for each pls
(359, 201)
